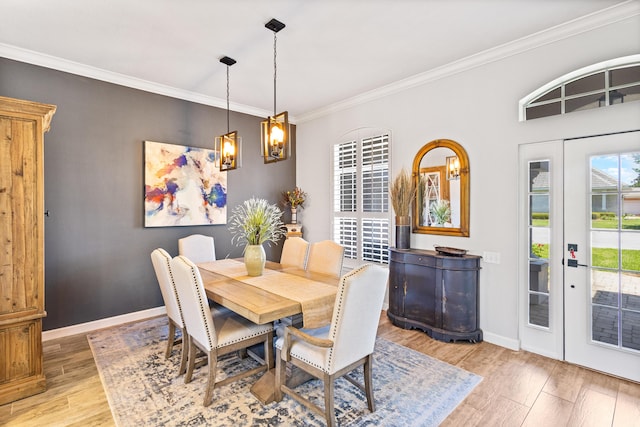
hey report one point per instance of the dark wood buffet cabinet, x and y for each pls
(435, 293)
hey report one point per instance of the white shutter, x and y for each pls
(361, 198)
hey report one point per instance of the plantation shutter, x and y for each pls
(361, 198)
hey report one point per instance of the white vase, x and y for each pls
(254, 259)
(294, 215)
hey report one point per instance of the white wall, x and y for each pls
(479, 109)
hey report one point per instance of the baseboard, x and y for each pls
(509, 343)
(84, 328)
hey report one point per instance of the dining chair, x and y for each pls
(294, 253)
(326, 257)
(335, 350)
(162, 265)
(198, 248)
(222, 333)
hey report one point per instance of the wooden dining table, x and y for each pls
(303, 298)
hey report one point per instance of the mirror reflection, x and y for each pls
(441, 171)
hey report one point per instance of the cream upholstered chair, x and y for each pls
(326, 257)
(294, 253)
(348, 342)
(224, 332)
(161, 264)
(198, 248)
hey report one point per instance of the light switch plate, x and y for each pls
(491, 257)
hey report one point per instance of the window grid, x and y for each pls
(586, 92)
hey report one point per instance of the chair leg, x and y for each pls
(368, 382)
(212, 357)
(329, 413)
(170, 339)
(184, 353)
(193, 352)
(280, 377)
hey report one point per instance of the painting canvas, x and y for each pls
(183, 186)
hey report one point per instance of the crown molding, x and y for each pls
(59, 64)
(608, 16)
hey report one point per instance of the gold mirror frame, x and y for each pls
(460, 152)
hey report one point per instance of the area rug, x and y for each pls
(410, 389)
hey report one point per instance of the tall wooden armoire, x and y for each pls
(22, 128)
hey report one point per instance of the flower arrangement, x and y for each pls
(294, 198)
(402, 192)
(256, 221)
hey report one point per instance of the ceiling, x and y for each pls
(330, 51)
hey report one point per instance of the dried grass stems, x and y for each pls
(402, 192)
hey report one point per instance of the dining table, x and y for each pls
(282, 293)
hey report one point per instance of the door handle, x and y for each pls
(574, 263)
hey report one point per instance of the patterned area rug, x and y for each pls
(410, 389)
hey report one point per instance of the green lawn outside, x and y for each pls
(627, 223)
(608, 257)
(602, 257)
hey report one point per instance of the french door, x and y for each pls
(602, 253)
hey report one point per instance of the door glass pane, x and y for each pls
(630, 291)
(604, 249)
(539, 205)
(630, 244)
(604, 287)
(604, 327)
(539, 310)
(604, 210)
(604, 173)
(630, 328)
(539, 176)
(539, 242)
(630, 173)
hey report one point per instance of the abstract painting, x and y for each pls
(183, 186)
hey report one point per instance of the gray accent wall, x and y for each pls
(97, 249)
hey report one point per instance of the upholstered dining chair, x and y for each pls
(326, 257)
(161, 261)
(198, 248)
(222, 333)
(294, 253)
(335, 350)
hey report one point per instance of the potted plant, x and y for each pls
(253, 223)
(294, 199)
(440, 212)
(402, 191)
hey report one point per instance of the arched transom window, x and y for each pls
(599, 85)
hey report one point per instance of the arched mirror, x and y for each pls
(441, 174)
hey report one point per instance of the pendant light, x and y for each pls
(453, 168)
(228, 145)
(275, 130)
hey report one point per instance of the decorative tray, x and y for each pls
(445, 250)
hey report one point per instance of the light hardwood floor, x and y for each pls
(518, 389)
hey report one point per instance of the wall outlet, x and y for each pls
(491, 257)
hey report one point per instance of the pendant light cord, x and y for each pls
(275, 73)
(227, 99)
